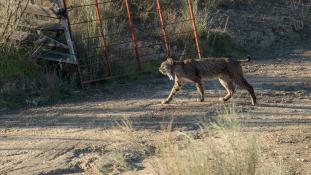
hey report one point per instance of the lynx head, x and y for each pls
(166, 68)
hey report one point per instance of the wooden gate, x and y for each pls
(35, 22)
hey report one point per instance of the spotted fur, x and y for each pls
(227, 70)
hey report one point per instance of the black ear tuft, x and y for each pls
(170, 61)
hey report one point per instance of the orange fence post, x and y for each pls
(133, 33)
(102, 38)
(194, 28)
(165, 37)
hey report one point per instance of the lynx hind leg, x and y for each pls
(200, 88)
(241, 81)
(228, 85)
(176, 87)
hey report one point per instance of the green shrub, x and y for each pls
(14, 64)
(24, 81)
(220, 43)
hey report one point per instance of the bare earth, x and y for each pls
(69, 138)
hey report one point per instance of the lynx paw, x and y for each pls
(254, 101)
(200, 100)
(164, 102)
(221, 100)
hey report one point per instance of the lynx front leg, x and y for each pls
(200, 89)
(175, 88)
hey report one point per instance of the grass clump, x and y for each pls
(27, 82)
(221, 155)
(127, 149)
(219, 148)
(219, 43)
(15, 65)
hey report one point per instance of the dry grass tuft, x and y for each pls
(219, 148)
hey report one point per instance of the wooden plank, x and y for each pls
(56, 56)
(69, 39)
(34, 38)
(36, 10)
(67, 31)
(47, 41)
(53, 27)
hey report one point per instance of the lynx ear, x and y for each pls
(170, 61)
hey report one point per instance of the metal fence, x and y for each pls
(109, 38)
(119, 37)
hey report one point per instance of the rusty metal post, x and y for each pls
(102, 38)
(133, 33)
(194, 28)
(165, 37)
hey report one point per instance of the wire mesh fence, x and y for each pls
(119, 37)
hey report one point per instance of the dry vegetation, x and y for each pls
(219, 148)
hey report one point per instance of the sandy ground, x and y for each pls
(67, 138)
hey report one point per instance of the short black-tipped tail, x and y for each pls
(248, 59)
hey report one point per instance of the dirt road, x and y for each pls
(69, 137)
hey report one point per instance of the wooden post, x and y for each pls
(65, 21)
